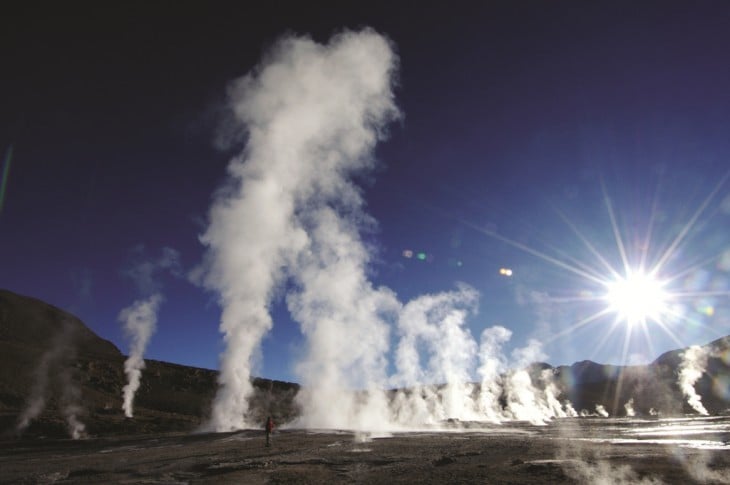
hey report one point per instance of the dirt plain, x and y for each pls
(565, 451)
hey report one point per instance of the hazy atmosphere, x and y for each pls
(373, 197)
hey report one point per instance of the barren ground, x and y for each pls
(567, 451)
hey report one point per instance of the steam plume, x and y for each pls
(312, 115)
(70, 397)
(145, 271)
(524, 400)
(139, 320)
(595, 467)
(492, 365)
(290, 222)
(602, 472)
(432, 330)
(702, 467)
(37, 399)
(343, 319)
(694, 362)
(629, 407)
(55, 367)
(436, 324)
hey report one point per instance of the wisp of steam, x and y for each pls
(139, 321)
(311, 115)
(55, 366)
(289, 222)
(629, 407)
(694, 362)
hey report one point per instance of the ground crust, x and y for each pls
(564, 453)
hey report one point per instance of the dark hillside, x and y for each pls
(50, 359)
(56, 373)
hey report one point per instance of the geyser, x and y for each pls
(694, 363)
(139, 320)
(292, 214)
(311, 115)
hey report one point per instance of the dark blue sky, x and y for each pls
(514, 113)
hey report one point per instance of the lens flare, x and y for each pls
(649, 276)
(5, 175)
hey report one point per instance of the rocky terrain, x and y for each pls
(50, 358)
(55, 372)
(572, 451)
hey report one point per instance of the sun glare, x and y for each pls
(657, 273)
(637, 298)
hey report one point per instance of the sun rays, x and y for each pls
(635, 282)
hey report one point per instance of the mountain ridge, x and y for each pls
(40, 343)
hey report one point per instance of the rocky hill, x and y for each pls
(56, 374)
(652, 388)
(57, 377)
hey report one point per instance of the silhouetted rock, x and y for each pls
(652, 387)
(49, 358)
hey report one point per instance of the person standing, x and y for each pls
(269, 427)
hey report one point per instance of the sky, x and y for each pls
(562, 141)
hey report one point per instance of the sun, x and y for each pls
(655, 279)
(637, 298)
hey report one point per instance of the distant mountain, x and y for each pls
(50, 362)
(653, 387)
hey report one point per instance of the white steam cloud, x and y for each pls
(343, 319)
(492, 366)
(693, 365)
(312, 114)
(629, 407)
(139, 321)
(70, 397)
(145, 271)
(603, 472)
(524, 400)
(55, 366)
(601, 410)
(290, 221)
(435, 326)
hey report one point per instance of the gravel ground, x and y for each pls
(566, 451)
